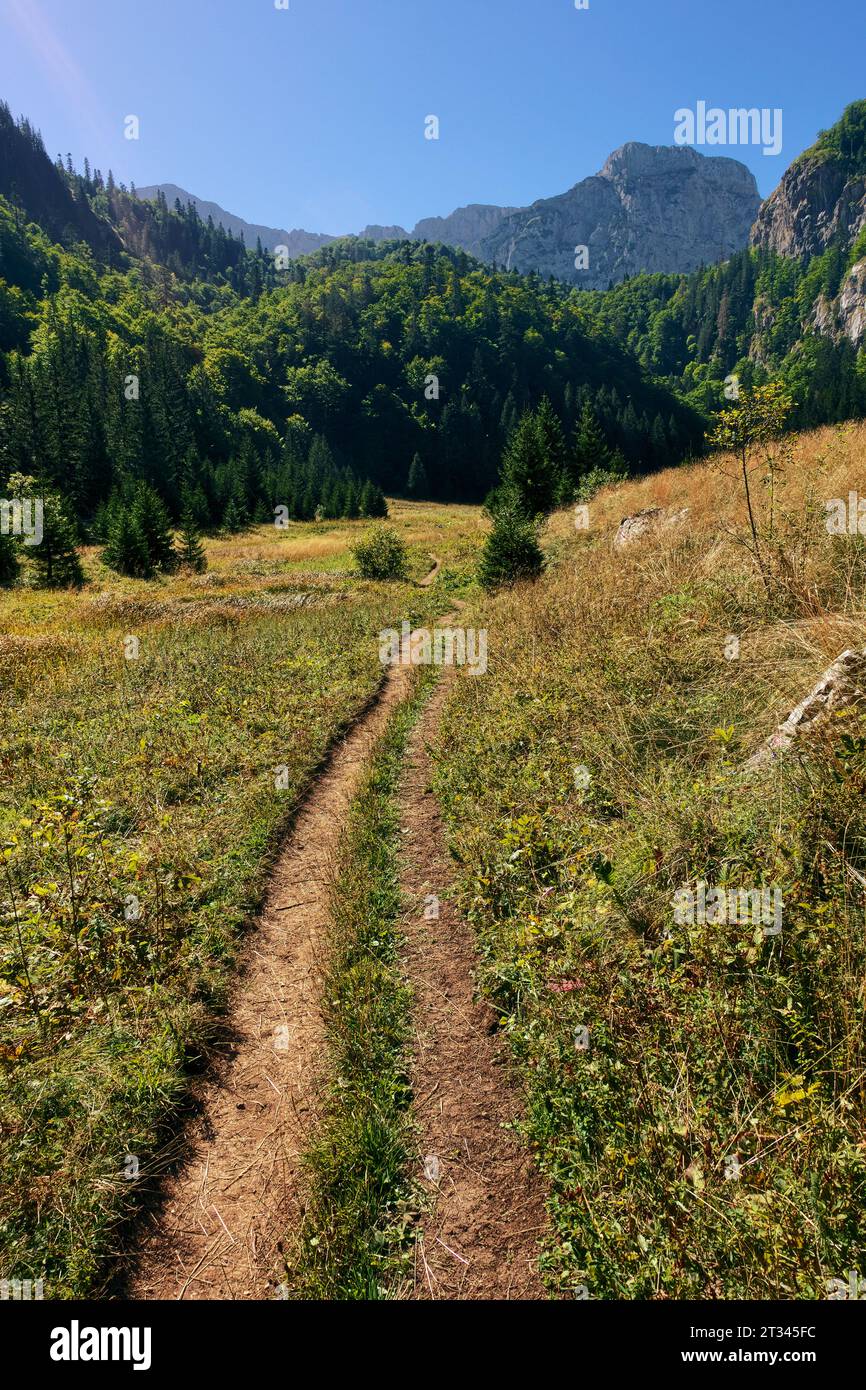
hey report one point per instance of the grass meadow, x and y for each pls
(156, 738)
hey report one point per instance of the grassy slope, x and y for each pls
(155, 778)
(707, 1044)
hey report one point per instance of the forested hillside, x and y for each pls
(790, 307)
(232, 384)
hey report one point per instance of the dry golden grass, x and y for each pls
(710, 1041)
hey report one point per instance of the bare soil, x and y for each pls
(218, 1232)
(480, 1238)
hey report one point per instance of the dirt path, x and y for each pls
(481, 1238)
(433, 575)
(217, 1234)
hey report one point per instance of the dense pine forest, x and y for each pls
(145, 353)
(141, 346)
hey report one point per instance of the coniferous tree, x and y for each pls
(528, 473)
(416, 482)
(190, 551)
(9, 563)
(55, 560)
(126, 550)
(150, 515)
(511, 550)
(590, 446)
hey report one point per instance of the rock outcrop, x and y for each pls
(841, 685)
(814, 205)
(650, 207)
(633, 528)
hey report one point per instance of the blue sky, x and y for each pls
(314, 116)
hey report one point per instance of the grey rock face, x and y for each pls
(376, 233)
(813, 205)
(852, 304)
(633, 528)
(467, 227)
(841, 685)
(651, 207)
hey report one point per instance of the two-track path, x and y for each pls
(218, 1232)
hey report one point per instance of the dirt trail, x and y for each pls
(216, 1236)
(433, 575)
(218, 1231)
(481, 1238)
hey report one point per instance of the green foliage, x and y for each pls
(511, 550)
(203, 369)
(53, 561)
(190, 551)
(9, 563)
(532, 470)
(416, 481)
(139, 534)
(382, 554)
(844, 143)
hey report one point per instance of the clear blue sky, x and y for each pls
(314, 117)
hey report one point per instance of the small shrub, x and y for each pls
(382, 555)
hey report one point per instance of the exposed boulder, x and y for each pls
(632, 528)
(842, 684)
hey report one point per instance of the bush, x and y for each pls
(511, 551)
(616, 471)
(382, 555)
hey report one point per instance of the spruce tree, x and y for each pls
(378, 507)
(126, 551)
(528, 473)
(190, 551)
(150, 514)
(416, 482)
(511, 551)
(590, 447)
(55, 559)
(9, 564)
(233, 516)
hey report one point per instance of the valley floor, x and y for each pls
(511, 1070)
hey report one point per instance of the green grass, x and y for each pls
(357, 1237)
(154, 779)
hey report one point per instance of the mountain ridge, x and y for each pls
(649, 207)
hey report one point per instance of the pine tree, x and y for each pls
(126, 551)
(190, 551)
(416, 482)
(590, 447)
(55, 558)
(528, 473)
(552, 436)
(511, 551)
(233, 516)
(149, 513)
(378, 507)
(9, 564)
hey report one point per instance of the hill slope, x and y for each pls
(694, 1086)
